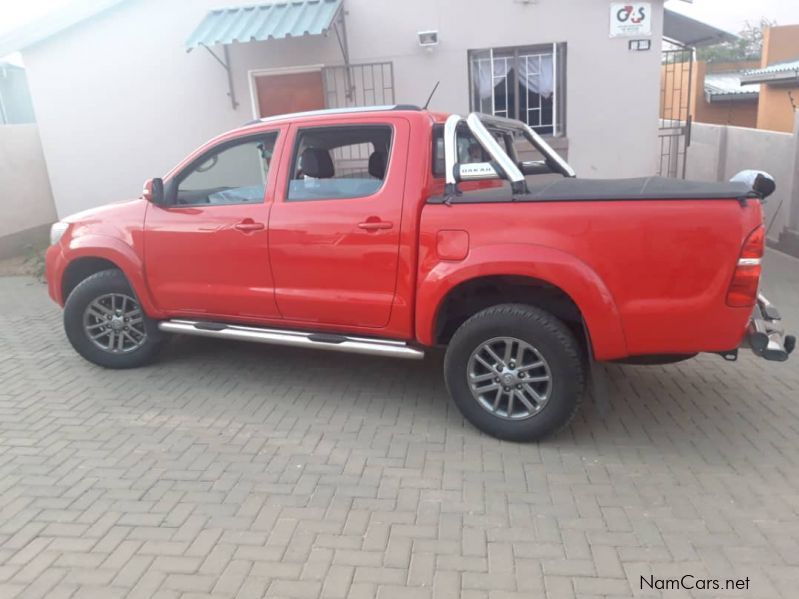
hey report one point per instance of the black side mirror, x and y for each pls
(154, 191)
(764, 185)
(158, 191)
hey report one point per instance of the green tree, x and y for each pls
(748, 46)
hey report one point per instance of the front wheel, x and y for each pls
(106, 325)
(516, 372)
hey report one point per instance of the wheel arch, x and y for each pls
(91, 254)
(561, 282)
(81, 269)
(473, 295)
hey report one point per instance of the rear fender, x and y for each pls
(565, 271)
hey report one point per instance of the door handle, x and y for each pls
(375, 225)
(249, 226)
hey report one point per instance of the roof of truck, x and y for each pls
(337, 111)
(344, 112)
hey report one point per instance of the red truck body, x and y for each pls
(647, 277)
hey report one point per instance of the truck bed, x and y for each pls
(659, 267)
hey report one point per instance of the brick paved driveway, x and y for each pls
(235, 470)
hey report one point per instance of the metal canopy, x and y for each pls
(690, 32)
(263, 22)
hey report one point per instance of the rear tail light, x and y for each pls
(746, 280)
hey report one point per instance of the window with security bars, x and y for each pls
(525, 83)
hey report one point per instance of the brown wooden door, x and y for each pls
(292, 92)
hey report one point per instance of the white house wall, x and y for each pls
(119, 100)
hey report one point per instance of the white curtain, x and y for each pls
(487, 73)
(537, 74)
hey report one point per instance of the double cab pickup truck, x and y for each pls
(393, 230)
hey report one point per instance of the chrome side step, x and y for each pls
(331, 342)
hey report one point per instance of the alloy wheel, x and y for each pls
(509, 378)
(114, 322)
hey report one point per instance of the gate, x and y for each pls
(675, 110)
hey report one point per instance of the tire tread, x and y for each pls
(541, 318)
(93, 285)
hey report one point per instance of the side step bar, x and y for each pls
(332, 342)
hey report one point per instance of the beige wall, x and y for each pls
(718, 152)
(25, 199)
(776, 111)
(612, 93)
(677, 78)
(738, 113)
(119, 100)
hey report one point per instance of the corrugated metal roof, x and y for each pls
(261, 22)
(721, 85)
(781, 72)
(780, 67)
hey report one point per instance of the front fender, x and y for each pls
(116, 251)
(565, 271)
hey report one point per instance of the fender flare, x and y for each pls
(555, 267)
(121, 255)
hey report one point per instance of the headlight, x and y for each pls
(57, 231)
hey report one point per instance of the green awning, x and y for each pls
(278, 20)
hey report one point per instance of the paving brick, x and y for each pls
(234, 470)
(422, 569)
(402, 592)
(301, 589)
(232, 578)
(379, 576)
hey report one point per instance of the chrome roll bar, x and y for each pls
(501, 166)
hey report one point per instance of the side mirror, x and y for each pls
(154, 191)
(759, 181)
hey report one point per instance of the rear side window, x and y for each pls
(469, 149)
(335, 163)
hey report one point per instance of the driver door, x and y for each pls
(206, 250)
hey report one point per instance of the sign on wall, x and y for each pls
(630, 19)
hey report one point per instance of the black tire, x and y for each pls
(87, 291)
(550, 338)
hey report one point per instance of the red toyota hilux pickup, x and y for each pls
(392, 230)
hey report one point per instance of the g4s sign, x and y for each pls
(628, 19)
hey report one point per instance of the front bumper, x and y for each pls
(765, 335)
(54, 271)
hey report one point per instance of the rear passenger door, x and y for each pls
(334, 228)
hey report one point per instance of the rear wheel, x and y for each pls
(516, 372)
(105, 324)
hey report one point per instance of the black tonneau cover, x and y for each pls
(585, 190)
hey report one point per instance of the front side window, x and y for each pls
(235, 173)
(333, 163)
(524, 83)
